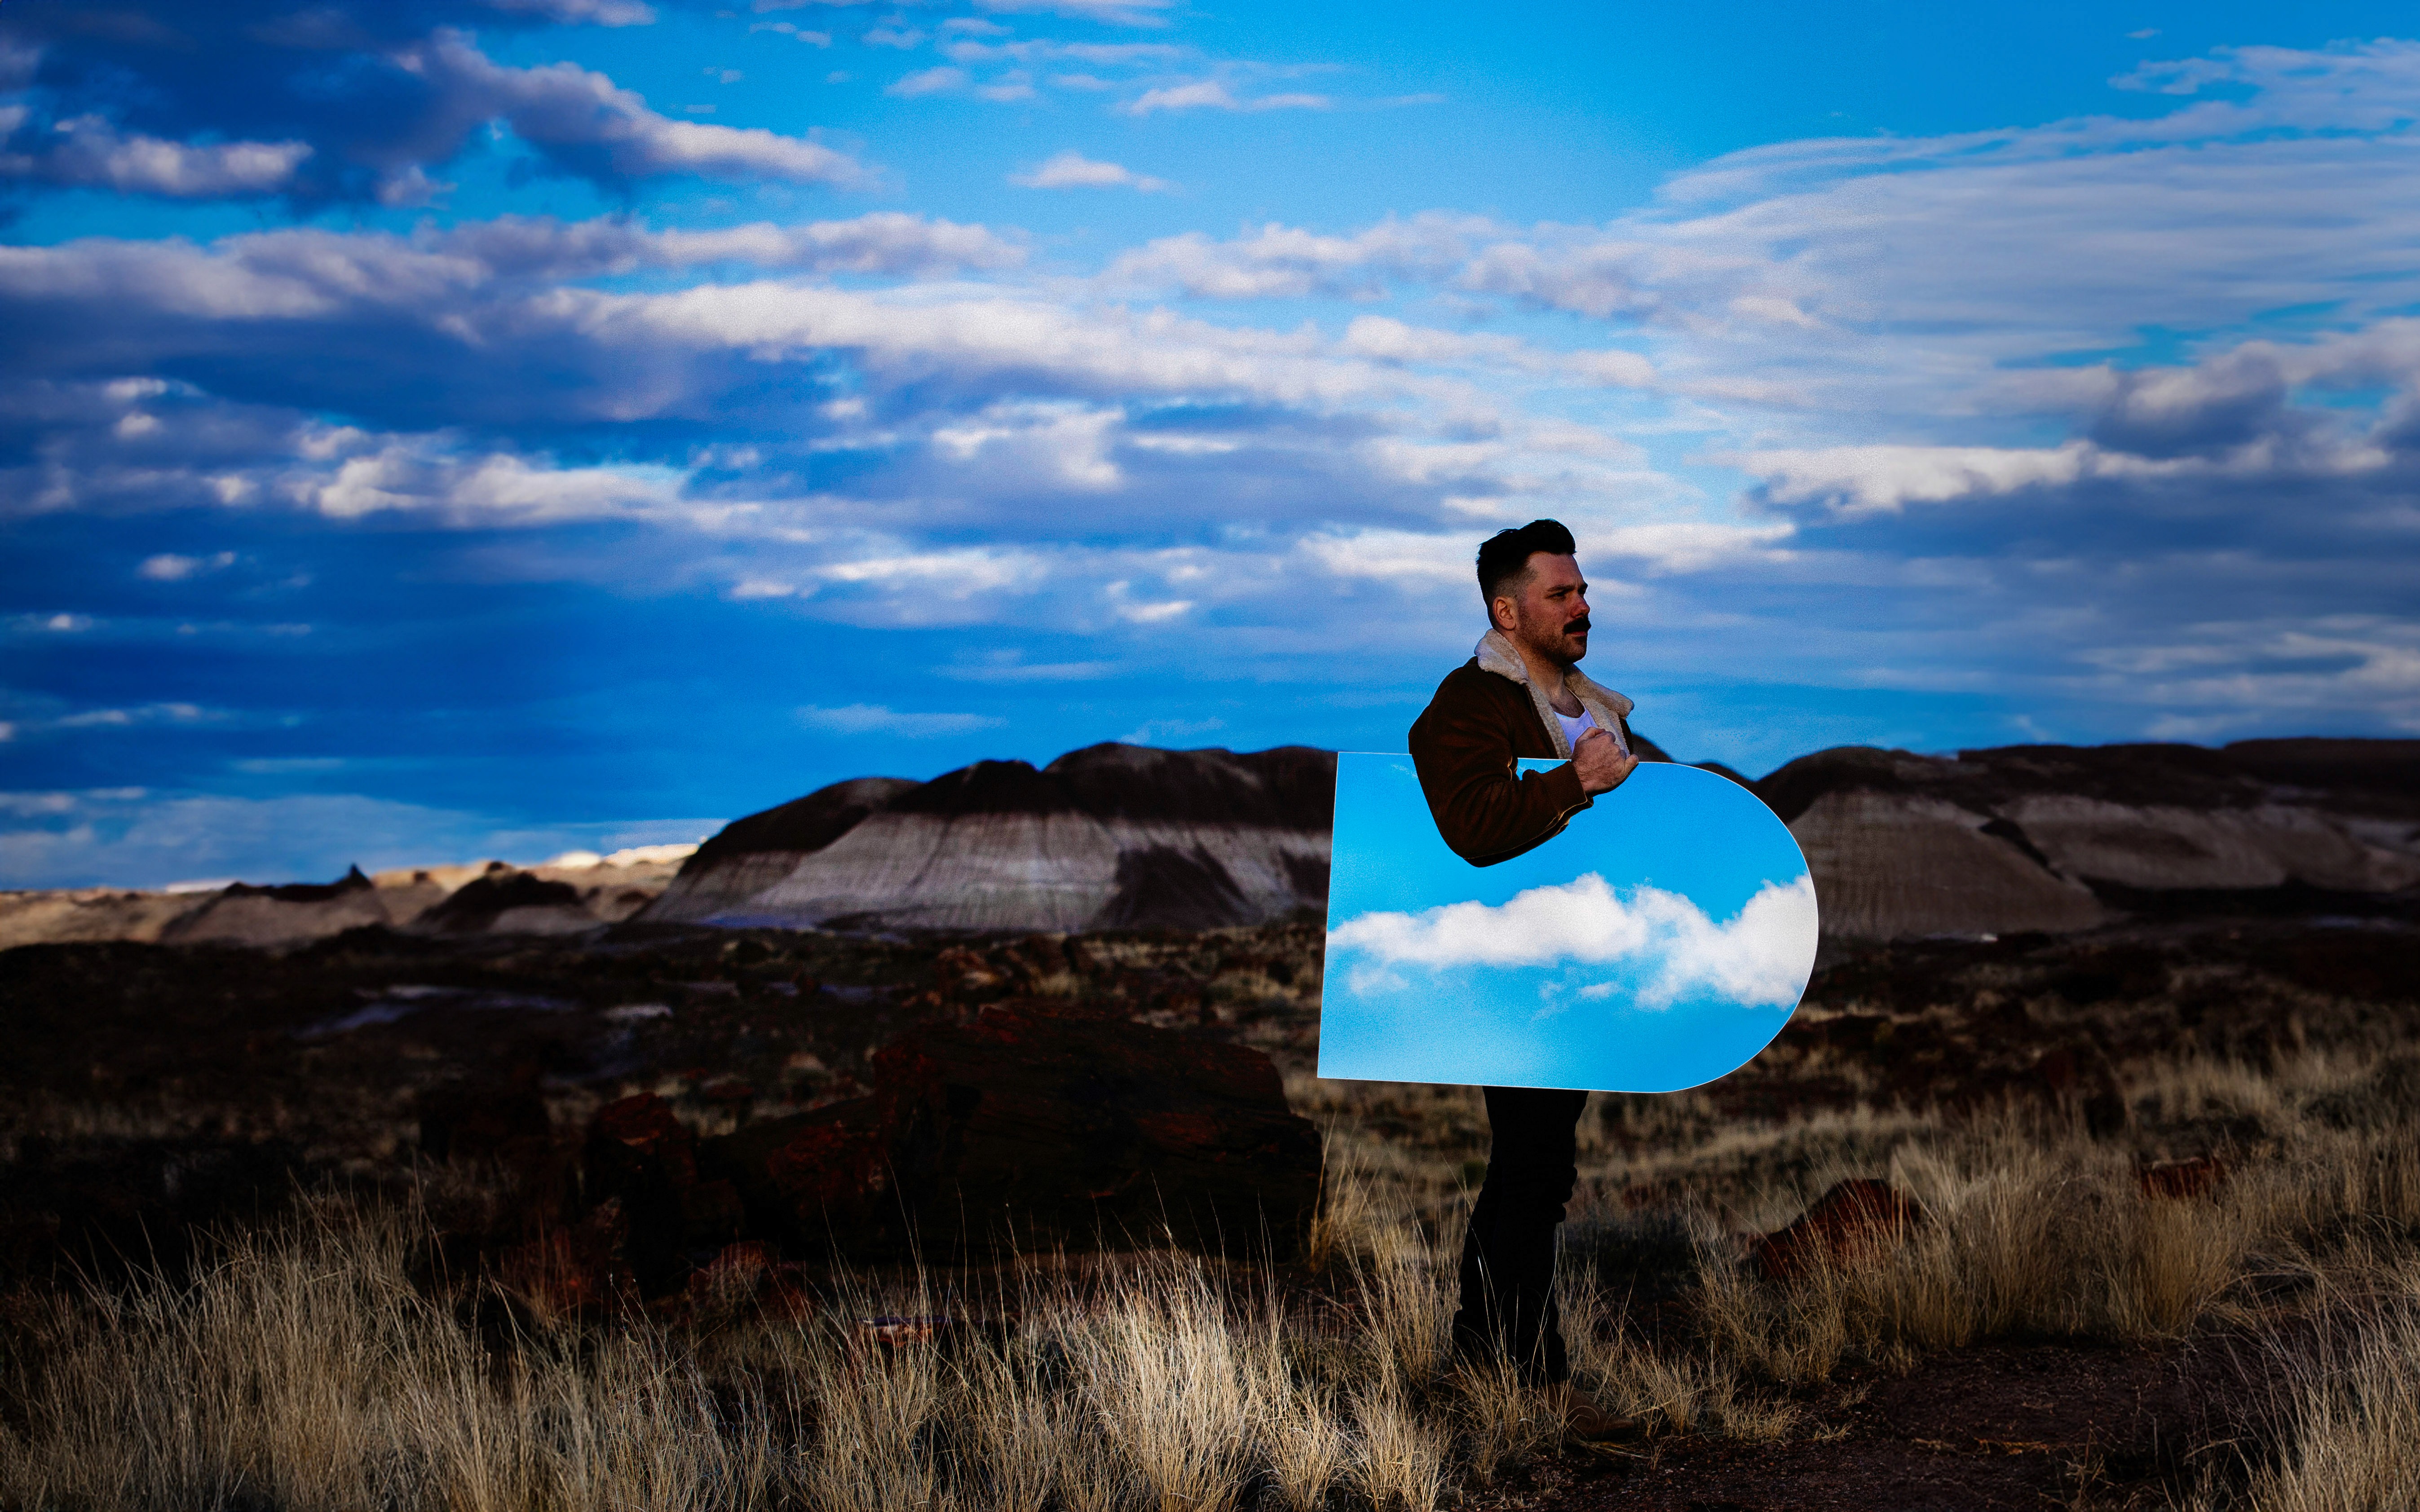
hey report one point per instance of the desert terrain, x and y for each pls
(2086, 1175)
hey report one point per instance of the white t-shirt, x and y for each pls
(1576, 725)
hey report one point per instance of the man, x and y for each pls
(1522, 695)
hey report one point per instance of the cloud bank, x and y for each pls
(1758, 957)
(2088, 428)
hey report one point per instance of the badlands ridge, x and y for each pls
(2055, 839)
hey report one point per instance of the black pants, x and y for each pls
(1508, 1256)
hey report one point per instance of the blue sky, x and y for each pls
(1660, 941)
(491, 426)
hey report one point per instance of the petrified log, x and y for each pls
(1034, 1126)
(1855, 1217)
(640, 1157)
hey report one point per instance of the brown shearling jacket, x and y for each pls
(1485, 716)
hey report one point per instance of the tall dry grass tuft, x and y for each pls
(1670, 1390)
(302, 1368)
(1400, 1459)
(2353, 1444)
(866, 1408)
(1164, 1370)
(1292, 1406)
(1019, 1433)
(1502, 1420)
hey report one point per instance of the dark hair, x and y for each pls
(1506, 554)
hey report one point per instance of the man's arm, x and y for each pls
(1463, 749)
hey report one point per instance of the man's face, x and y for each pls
(1549, 609)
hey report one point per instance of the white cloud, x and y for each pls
(591, 12)
(1001, 334)
(1398, 556)
(140, 717)
(1157, 731)
(1045, 50)
(1057, 445)
(1210, 94)
(1285, 262)
(886, 242)
(949, 79)
(1687, 545)
(1010, 666)
(879, 720)
(169, 567)
(1073, 170)
(1392, 341)
(572, 108)
(92, 151)
(935, 81)
(1134, 610)
(1758, 957)
(1116, 13)
(1867, 480)
(495, 490)
(792, 29)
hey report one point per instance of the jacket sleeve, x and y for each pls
(1485, 810)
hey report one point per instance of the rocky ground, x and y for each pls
(150, 1088)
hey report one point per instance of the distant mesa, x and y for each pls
(242, 915)
(505, 902)
(2055, 839)
(1107, 837)
(567, 895)
(2065, 837)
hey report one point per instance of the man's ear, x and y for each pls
(1502, 613)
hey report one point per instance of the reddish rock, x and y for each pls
(574, 1271)
(792, 1172)
(642, 1157)
(1034, 1125)
(733, 1278)
(1853, 1218)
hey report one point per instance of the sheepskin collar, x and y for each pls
(1498, 655)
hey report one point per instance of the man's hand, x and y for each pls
(1602, 764)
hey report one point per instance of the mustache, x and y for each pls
(1578, 627)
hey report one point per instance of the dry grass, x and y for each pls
(2355, 1444)
(316, 1365)
(304, 1367)
(2034, 1233)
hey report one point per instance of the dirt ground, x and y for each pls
(149, 1089)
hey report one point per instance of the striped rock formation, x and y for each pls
(1105, 837)
(2020, 837)
(2063, 837)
